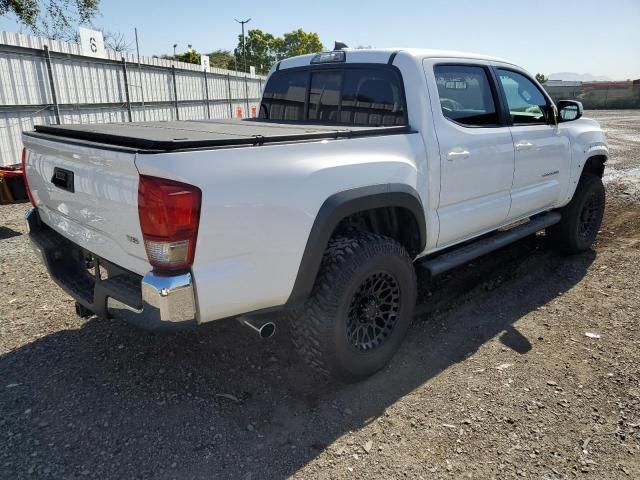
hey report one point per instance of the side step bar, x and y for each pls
(462, 255)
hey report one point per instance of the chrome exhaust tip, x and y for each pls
(264, 329)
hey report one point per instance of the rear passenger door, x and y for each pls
(542, 150)
(476, 149)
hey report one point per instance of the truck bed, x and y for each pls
(178, 135)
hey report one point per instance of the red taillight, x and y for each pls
(24, 176)
(169, 215)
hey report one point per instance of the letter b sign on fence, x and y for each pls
(91, 42)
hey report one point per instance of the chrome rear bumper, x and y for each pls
(153, 302)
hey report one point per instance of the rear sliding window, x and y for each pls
(348, 96)
(284, 96)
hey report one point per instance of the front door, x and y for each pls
(476, 151)
(543, 153)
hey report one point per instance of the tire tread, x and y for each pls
(563, 234)
(310, 327)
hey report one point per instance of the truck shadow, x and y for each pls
(6, 232)
(109, 401)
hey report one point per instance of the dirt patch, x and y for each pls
(523, 363)
(622, 128)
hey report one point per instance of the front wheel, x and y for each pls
(360, 309)
(581, 217)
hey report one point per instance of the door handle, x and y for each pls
(524, 146)
(457, 154)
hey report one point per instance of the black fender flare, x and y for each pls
(594, 164)
(334, 210)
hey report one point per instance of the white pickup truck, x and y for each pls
(362, 165)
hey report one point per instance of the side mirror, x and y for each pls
(569, 110)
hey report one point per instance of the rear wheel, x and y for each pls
(360, 308)
(581, 217)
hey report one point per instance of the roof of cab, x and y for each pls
(381, 55)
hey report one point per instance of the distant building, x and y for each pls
(597, 94)
(562, 83)
(616, 84)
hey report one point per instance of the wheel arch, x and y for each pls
(595, 165)
(343, 205)
(592, 163)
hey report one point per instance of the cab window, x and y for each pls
(527, 105)
(465, 95)
(372, 97)
(284, 96)
(347, 96)
(324, 96)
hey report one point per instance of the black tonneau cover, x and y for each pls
(175, 135)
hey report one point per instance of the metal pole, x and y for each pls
(206, 94)
(175, 91)
(144, 113)
(229, 90)
(126, 88)
(244, 51)
(52, 84)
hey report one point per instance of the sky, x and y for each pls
(547, 36)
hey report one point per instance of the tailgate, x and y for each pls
(90, 196)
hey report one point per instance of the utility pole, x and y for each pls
(244, 51)
(174, 50)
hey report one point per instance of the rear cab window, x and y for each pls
(284, 96)
(351, 94)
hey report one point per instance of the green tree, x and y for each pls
(541, 78)
(299, 42)
(222, 59)
(57, 19)
(259, 47)
(190, 56)
(264, 49)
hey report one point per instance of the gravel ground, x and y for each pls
(522, 364)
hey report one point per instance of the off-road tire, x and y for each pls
(581, 217)
(351, 267)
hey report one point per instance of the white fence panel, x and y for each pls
(94, 90)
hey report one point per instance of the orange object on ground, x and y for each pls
(12, 184)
